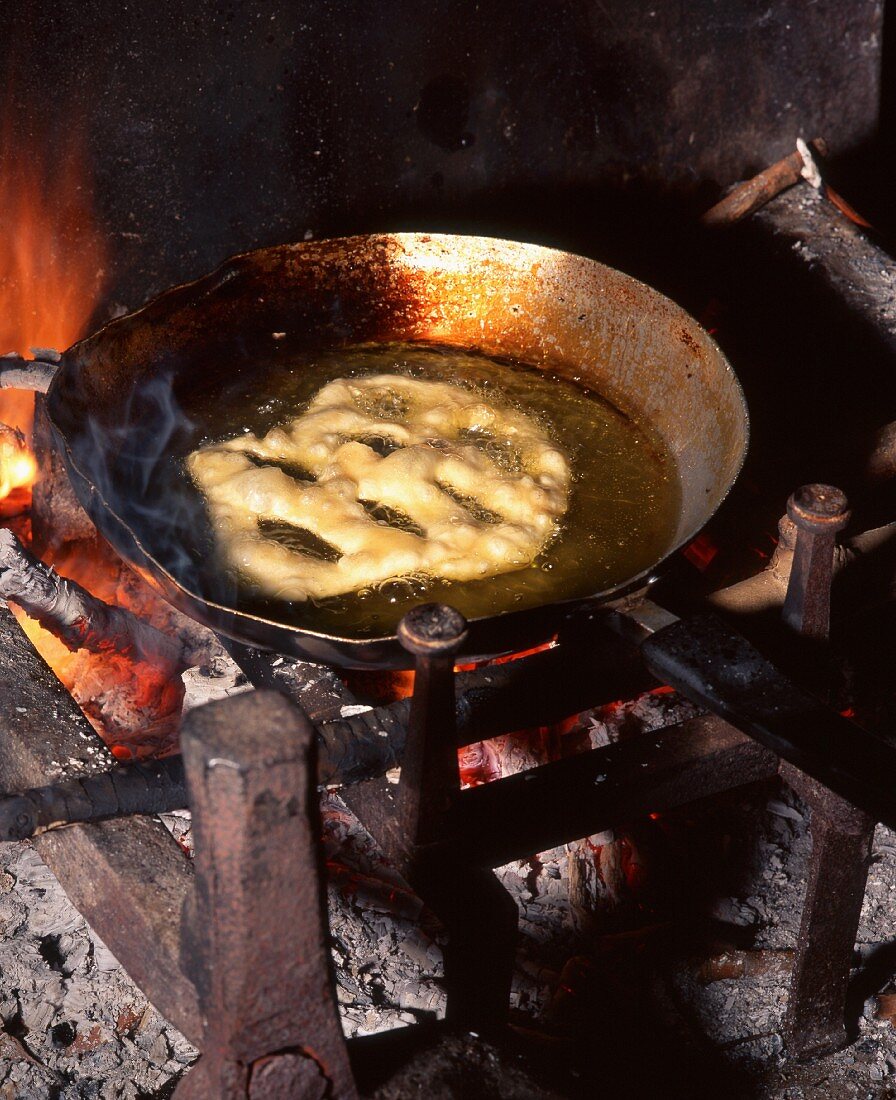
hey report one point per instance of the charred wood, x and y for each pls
(597, 885)
(123, 672)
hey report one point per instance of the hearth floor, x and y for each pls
(75, 1026)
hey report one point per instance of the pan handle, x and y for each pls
(713, 666)
(17, 373)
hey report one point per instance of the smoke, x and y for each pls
(136, 465)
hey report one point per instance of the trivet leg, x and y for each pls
(479, 915)
(841, 853)
(258, 947)
(481, 919)
(841, 835)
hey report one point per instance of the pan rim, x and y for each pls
(604, 596)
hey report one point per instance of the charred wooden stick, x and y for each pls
(151, 788)
(79, 619)
(756, 192)
(17, 373)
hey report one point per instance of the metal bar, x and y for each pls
(153, 787)
(430, 780)
(479, 915)
(754, 193)
(814, 1023)
(584, 794)
(536, 690)
(714, 666)
(258, 941)
(841, 835)
(532, 691)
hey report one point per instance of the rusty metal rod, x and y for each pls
(595, 790)
(478, 913)
(536, 690)
(144, 788)
(532, 691)
(754, 193)
(430, 780)
(715, 667)
(256, 943)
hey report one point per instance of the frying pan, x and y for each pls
(114, 401)
(114, 407)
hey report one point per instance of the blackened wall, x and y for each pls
(215, 127)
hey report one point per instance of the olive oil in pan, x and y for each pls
(623, 503)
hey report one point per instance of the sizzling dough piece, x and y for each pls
(392, 476)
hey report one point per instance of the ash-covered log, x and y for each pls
(17, 373)
(128, 878)
(79, 619)
(123, 672)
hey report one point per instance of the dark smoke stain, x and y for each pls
(444, 111)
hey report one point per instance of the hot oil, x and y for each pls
(623, 504)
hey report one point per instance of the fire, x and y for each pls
(701, 552)
(52, 259)
(134, 705)
(17, 466)
(51, 255)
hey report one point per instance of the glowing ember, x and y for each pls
(701, 551)
(17, 465)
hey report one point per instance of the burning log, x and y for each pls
(130, 683)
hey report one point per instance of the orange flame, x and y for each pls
(17, 465)
(51, 276)
(51, 251)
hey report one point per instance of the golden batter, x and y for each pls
(391, 476)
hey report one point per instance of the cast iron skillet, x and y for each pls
(114, 403)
